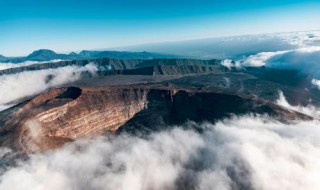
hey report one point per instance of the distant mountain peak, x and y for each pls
(2, 58)
(73, 53)
(87, 53)
(44, 55)
(42, 51)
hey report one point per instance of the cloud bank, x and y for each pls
(299, 51)
(240, 153)
(4, 66)
(30, 83)
(234, 47)
(306, 60)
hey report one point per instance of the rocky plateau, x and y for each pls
(137, 96)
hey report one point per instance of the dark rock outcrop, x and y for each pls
(112, 66)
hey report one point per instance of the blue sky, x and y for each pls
(66, 25)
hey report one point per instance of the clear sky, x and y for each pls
(72, 25)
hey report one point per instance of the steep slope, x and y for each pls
(169, 70)
(108, 64)
(262, 82)
(65, 114)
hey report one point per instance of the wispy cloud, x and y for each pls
(30, 83)
(9, 65)
(308, 110)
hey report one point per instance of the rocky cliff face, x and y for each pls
(65, 114)
(171, 70)
(113, 66)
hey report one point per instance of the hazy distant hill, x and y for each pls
(2, 58)
(47, 55)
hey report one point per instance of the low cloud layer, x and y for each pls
(240, 153)
(29, 83)
(248, 152)
(305, 60)
(300, 51)
(4, 66)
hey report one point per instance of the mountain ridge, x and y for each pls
(48, 55)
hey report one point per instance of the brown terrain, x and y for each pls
(139, 96)
(66, 114)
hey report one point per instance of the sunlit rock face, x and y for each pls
(66, 114)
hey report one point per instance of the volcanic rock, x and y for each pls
(66, 114)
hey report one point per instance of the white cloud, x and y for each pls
(260, 59)
(302, 39)
(252, 152)
(29, 83)
(306, 60)
(231, 64)
(6, 106)
(227, 63)
(308, 110)
(316, 83)
(9, 65)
